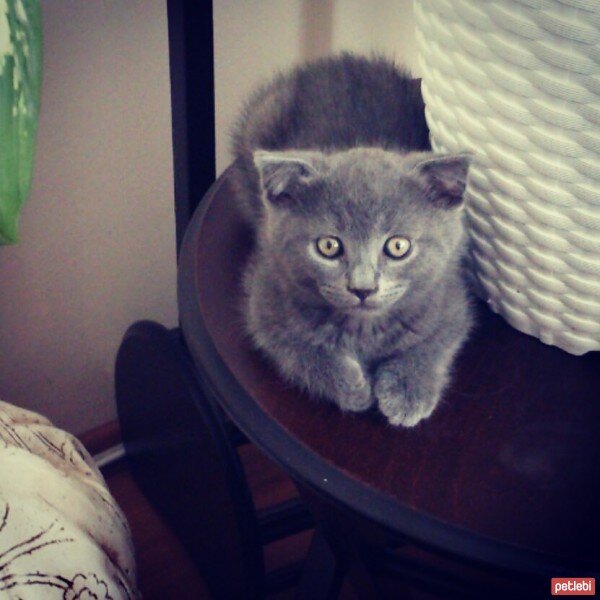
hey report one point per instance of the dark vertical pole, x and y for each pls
(192, 104)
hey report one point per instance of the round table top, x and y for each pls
(506, 471)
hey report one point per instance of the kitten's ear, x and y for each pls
(444, 177)
(281, 173)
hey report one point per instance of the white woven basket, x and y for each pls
(518, 83)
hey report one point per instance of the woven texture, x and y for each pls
(517, 82)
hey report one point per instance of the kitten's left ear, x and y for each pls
(444, 177)
(281, 173)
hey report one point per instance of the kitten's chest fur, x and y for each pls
(372, 339)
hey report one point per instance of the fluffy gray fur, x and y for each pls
(338, 149)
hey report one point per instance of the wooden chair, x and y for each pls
(184, 455)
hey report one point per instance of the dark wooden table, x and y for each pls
(505, 474)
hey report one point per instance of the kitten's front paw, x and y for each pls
(353, 388)
(402, 401)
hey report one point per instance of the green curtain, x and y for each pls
(20, 78)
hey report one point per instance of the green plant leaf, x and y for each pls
(20, 78)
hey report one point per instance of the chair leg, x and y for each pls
(344, 549)
(184, 460)
(322, 575)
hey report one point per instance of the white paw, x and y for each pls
(401, 403)
(355, 394)
(353, 372)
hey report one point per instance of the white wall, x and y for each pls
(255, 38)
(97, 246)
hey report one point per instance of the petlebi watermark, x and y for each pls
(573, 586)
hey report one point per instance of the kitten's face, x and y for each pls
(356, 230)
(359, 276)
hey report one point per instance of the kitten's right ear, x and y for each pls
(444, 177)
(281, 173)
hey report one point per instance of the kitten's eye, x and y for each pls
(329, 247)
(397, 247)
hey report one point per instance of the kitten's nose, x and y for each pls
(363, 293)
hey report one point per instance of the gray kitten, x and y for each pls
(354, 288)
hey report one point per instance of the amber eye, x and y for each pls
(397, 247)
(329, 247)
